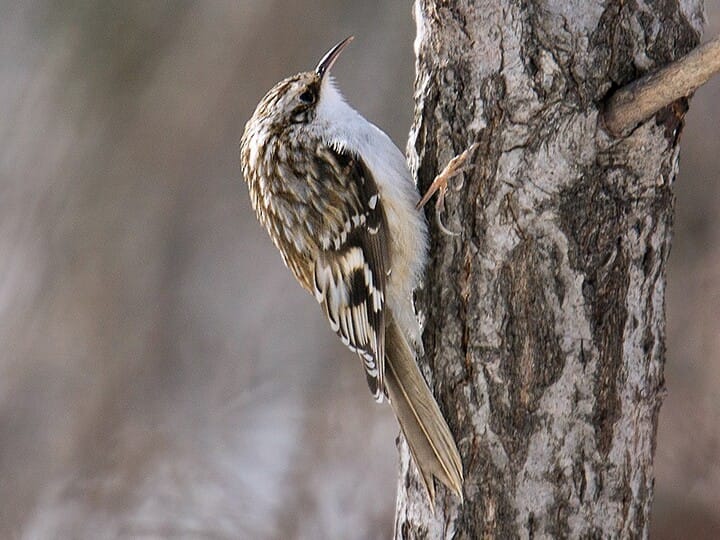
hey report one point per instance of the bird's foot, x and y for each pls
(454, 167)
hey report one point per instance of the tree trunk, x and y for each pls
(545, 321)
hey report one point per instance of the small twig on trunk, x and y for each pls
(642, 98)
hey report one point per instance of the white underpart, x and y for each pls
(343, 127)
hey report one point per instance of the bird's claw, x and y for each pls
(454, 167)
(439, 206)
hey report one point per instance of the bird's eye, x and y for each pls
(307, 97)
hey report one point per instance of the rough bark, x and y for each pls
(545, 316)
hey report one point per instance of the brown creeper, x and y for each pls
(339, 202)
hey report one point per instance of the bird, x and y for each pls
(339, 202)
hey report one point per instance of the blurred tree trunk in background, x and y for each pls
(545, 321)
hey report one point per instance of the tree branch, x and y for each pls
(642, 98)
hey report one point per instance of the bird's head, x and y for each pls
(295, 100)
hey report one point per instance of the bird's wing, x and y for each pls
(349, 273)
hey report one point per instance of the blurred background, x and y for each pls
(161, 373)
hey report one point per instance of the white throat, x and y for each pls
(336, 121)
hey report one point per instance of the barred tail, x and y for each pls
(431, 443)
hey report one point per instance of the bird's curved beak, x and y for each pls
(329, 59)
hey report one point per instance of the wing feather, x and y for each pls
(349, 273)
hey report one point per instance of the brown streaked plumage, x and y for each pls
(338, 201)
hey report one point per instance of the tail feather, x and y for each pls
(431, 443)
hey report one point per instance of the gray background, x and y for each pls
(161, 374)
